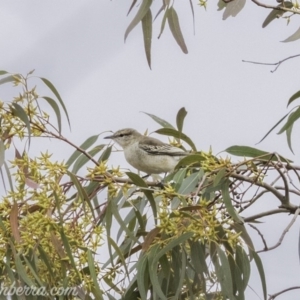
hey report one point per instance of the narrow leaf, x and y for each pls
(22, 272)
(55, 107)
(275, 125)
(180, 118)
(86, 144)
(2, 72)
(175, 29)
(191, 160)
(147, 34)
(275, 14)
(55, 92)
(294, 97)
(160, 121)
(96, 291)
(105, 155)
(252, 152)
(289, 137)
(233, 8)
(136, 179)
(178, 135)
(295, 36)
(13, 218)
(261, 272)
(294, 116)
(224, 275)
(7, 79)
(163, 23)
(2, 153)
(83, 159)
(20, 112)
(142, 270)
(144, 7)
(131, 6)
(227, 201)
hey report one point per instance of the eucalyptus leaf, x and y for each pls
(175, 29)
(147, 34)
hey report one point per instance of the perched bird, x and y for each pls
(147, 154)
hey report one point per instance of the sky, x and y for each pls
(106, 84)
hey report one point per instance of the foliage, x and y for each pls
(185, 238)
(231, 8)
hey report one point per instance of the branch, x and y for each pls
(272, 297)
(277, 64)
(266, 213)
(285, 231)
(280, 8)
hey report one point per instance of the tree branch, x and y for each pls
(272, 297)
(277, 64)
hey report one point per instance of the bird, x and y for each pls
(147, 154)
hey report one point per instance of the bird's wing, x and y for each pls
(156, 147)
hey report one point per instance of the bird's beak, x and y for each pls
(109, 137)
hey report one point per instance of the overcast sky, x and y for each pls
(106, 83)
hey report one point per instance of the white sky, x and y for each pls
(105, 83)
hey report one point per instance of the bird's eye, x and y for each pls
(121, 135)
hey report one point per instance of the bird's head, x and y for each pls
(124, 137)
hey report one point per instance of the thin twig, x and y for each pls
(260, 234)
(277, 64)
(272, 297)
(266, 213)
(285, 231)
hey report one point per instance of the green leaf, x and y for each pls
(227, 201)
(9, 78)
(294, 97)
(55, 107)
(198, 257)
(119, 253)
(220, 175)
(240, 228)
(294, 116)
(289, 137)
(22, 272)
(147, 34)
(68, 250)
(2, 153)
(97, 291)
(33, 271)
(144, 7)
(163, 23)
(189, 183)
(253, 152)
(295, 36)
(2, 72)
(105, 155)
(131, 6)
(160, 121)
(20, 112)
(136, 179)
(243, 263)
(275, 125)
(275, 14)
(261, 272)
(86, 144)
(55, 92)
(178, 135)
(180, 118)
(224, 275)
(233, 8)
(190, 160)
(142, 270)
(83, 159)
(175, 29)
